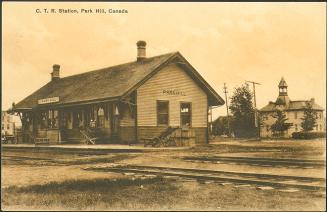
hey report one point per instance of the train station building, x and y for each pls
(121, 104)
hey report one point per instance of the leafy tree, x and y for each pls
(309, 119)
(241, 107)
(280, 125)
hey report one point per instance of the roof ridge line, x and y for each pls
(114, 66)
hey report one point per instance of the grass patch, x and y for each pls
(90, 194)
(153, 194)
(98, 185)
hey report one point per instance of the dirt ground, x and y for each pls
(39, 180)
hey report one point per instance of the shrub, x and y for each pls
(308, 135)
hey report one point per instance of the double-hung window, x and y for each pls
(162, 112)
(186, 114)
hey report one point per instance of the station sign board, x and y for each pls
(48, 100)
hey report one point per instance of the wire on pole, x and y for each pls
(256, 122)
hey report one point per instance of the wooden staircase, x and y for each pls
(172, 136)
(89, 136)
(164, 139)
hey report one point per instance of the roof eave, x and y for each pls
(68, 104)
(214, 94)
(22, 109)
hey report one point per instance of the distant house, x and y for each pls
(7, 124)
(124, 103)
(294, 111)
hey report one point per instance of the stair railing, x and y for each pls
(87, 138)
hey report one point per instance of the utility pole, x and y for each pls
(211, 121)
(225, 91)
(255, 107)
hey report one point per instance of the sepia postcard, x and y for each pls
(115, 106)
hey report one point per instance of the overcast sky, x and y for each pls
(225, 42)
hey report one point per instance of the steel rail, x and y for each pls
(222, 176)
(315, 163)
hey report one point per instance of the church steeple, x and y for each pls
(282, 87)
(282, 98)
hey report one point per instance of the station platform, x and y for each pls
(95, 147)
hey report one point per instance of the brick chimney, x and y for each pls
(55, 75)
(141, 53)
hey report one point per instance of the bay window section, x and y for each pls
(53, 119)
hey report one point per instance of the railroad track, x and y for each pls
(238, 178)
(293, 163)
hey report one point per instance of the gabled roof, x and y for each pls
(293, 105)
(112, 83)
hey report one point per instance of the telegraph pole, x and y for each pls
(225, 91)
(211, 121)
(255, 107)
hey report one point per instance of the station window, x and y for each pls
(296, 129)
(186, 114)
(43, 120)
(53, 119)
(162, 112)
(101, 117)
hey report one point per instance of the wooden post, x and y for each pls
(226, 99)
(256, 119)
(135, 117)
(207, 131)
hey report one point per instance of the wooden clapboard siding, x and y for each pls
(171, 77)
(127, 126)
(51, 134)
(41, 133)
(127, 120)
(200, 135)
(127, 135)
